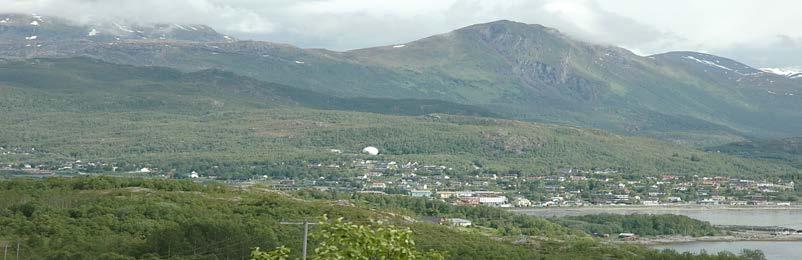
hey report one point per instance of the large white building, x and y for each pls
(371, 150)
(495, 200)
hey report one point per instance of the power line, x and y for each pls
(306, 233)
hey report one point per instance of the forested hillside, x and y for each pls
(517, 70)
(60, 111)
(786, 151)
(116, 218)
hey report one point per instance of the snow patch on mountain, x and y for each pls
(93, 32)
(123, 28)
(35, 23)
(32, 37)
(786, 72)
(400, 46)
(711, 63)
(7, 20)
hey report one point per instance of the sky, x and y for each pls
(759, 33)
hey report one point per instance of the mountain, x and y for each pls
(792, 73)
(787, 150)
(104, 87)
(516, 70)
(63, 110)
(41, 30)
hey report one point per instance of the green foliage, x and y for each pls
(343, 240)
(753, 254)
(788, 150)
(128, 218)
(669, 254)
(640, 224)
(280, 253)
(505, 222)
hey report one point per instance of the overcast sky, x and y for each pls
(760, 33)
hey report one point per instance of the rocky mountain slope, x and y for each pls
(516, 70)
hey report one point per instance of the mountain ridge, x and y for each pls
(63, 110)
(518, 70)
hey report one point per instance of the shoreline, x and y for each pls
(661, 207)
(670, 240)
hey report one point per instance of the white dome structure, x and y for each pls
(371, 150)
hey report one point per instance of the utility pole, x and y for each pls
(306, 234)
(17, 251)
(5, 250)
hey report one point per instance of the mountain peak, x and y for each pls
(509, 25)
(54, 29)
(709, 61)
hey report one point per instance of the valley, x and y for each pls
(495, 140)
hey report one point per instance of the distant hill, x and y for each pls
(36, 29)
(788, 150)
(516, 70)
(63, 110)
(104, 87)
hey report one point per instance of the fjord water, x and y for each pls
(779, 250)
(785, 217)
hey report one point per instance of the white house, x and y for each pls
(459, 222)
(495, 200)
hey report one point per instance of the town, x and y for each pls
(367, 172)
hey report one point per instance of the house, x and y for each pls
(708, 202)
(378, 185)
(495, 200)
(458, 222)
(739, 203)
(650, 202)
(420, 193)
(467, 201)
(194, 175)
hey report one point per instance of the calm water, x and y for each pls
(790, 217)
(773, 249)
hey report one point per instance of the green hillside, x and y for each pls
(121, 218)
(514, 70)
(786, 151)
(60, 111)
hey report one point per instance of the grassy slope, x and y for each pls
(172, 120)
(115, 218)
(110, 218)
